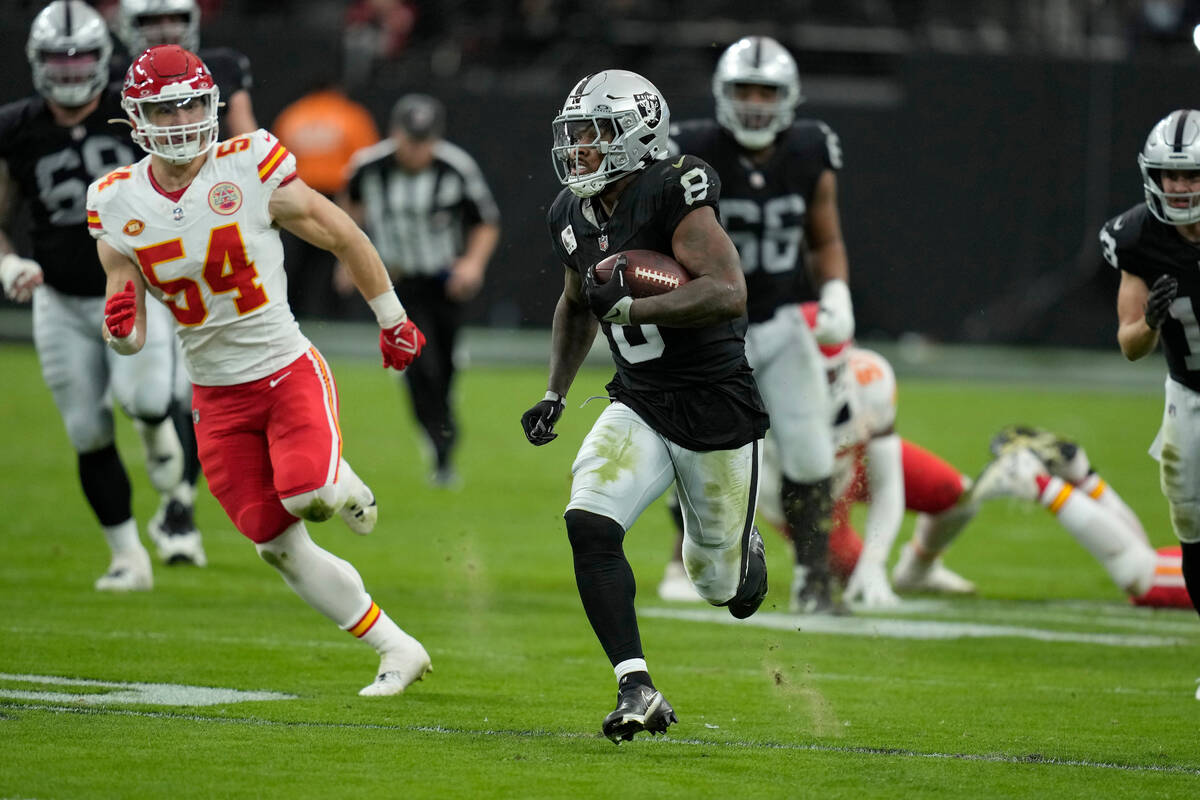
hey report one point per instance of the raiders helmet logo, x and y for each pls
(650, 108)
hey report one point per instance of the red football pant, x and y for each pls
(931, 486)
(268, 439)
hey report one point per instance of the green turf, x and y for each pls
(483, 577)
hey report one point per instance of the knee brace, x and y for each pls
(317, 505)
(592, 534)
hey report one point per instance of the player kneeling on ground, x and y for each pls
(265, 403)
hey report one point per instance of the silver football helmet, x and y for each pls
(615, 119)
(1173, 144)
(68, 50)
(757, 60)
(140, 29)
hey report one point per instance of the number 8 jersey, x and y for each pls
(211, 254)
(1141, 245)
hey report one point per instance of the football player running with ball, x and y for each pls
(52, 145)
(779, 204)
(194, 223)
(1154, 245)
(684, 405)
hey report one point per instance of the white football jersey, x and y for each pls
(211, 255)
(864, 407)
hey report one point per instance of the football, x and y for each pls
(648, 272)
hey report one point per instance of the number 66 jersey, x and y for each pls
(210, 253)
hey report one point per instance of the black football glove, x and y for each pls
(538, 421)
(609, 301)
(1158, 303)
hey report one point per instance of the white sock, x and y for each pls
(1100, 491)
(324, 581)
(630, 665)
(123, 537)
(184, 492)
(1128, 561)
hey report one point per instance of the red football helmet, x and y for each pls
(171, 100)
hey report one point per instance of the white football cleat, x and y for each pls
(912, 575)
(676, 587)
(1012, 474)
(399, 668)
(129, 572)
(173, 531)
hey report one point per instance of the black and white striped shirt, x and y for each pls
(419, 221)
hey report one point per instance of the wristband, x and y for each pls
(554, 397)
(389, 312)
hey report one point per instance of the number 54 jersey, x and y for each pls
(211, 255)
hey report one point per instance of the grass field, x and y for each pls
(1048, 684)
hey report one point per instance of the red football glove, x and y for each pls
(401, 344)
(120, 312)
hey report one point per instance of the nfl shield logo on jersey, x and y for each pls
(603, 242)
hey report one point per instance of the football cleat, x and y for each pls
(813, 594)
(676, 587)
(128, 572)
(173, 531)
(639, 708)
(1062, 457)
(1012, 474)
(445, 477)
(913, 575)
(398, 669)
(753, 586)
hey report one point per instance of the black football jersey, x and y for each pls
(765, 207)
(51, 167)
(1141, 245)
(693, 385)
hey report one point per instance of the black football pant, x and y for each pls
(431, 376)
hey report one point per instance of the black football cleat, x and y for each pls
(753, 586)
(639, 708)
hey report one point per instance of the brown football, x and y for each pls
(648, 272)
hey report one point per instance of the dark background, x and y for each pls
(978, 169)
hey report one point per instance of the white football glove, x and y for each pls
(20, 277)
(868, 586)
(835, 314)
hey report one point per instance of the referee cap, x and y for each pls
(419, 115)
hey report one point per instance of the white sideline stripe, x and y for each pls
(156, 694)
(907, 628)
(662, 741)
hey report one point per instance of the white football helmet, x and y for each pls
(618, 113)
(69, 49)
(139, 30)
(167, 77)
(1173, 144)
(758, 60)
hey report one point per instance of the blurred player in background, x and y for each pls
(779, 204)
(427, 206)
(141, 24)
(197, 224)
(1154, 246)
(52, 145)
(684, 405)
(891, 474)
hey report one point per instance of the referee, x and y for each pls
(426, 206)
